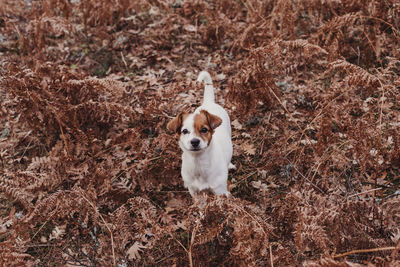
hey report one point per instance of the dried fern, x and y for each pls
(91, 156)
(13, 189)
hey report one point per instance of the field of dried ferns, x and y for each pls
(89, 175)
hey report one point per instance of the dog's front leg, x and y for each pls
(191, 191)
(221, 189)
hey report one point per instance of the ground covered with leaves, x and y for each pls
(89, 175)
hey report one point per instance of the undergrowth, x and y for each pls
(90, 177)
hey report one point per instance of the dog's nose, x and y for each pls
(195, 142)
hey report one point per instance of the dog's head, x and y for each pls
(194, 130)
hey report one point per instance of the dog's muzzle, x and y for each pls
(195, 142)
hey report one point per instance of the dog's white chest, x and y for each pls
(196, 169)
(196, 173)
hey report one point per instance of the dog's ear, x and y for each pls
(213, 120)
(176, 123)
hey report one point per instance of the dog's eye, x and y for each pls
(203, 130)
(185, 131)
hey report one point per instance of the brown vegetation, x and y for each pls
(89, 176)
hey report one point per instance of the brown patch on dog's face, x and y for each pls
(205, 124)
(176, 124)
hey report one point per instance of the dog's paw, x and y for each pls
(231, 166)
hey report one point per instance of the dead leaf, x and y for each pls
(249, 149)
(236, 125)
(58, 232)
(181, 225)
(220, 77)
(169, 209)
(133, 251)
(174, 204)
(245, 135)
(189, 28)
(166, 219)
(259, 185)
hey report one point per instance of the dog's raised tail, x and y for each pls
(205, 77)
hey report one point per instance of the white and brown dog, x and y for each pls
(205, 138)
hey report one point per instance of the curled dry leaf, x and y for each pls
(58, 232)
(236, 125)
(190, 28)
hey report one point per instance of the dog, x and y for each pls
(205, 139)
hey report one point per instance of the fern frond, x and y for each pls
(43, 162)
(330, 28)
(13, 189)
(306, 46)
(356, 75)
